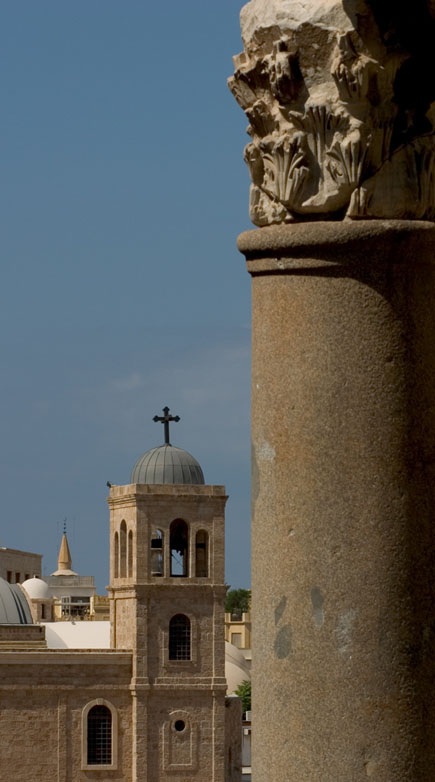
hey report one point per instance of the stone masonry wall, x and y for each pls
(42, 696)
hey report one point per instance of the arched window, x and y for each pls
(99, 735)
(179, 638)
(130, 554)
(157, 552)
(179, 537)
(116, 555)
(201, 554)
(123, 549)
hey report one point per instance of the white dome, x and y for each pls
(37, 589)
(236, 668)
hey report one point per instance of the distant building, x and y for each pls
(238, 633)
(73, 595)
(246, 747)
(143, 696)
(17, 566)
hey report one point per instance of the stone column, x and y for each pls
(343, 388)
(343, 430)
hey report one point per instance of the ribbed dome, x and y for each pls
(14, 608)
(167, 464)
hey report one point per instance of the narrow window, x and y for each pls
(123, 550)
(99, 736)
(116, 556)
(42, 611)
(236, 640)
(179, 638)
(179, 548)
(10, 576)
(17, 578)
(26, 577)
(130, 554)
(157, 552)
(201, 554)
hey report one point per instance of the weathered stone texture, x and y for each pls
(233, 749)
(341, 109)
(142, 604)
(21, 563)
(42, 696)
(343, 484)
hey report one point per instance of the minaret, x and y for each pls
(64, 562)
(167, 592)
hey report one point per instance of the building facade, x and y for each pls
(74, 595)
(17, 566)
(152, 708)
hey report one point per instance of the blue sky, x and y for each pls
(123, 191)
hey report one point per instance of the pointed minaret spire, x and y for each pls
(64, 562)
(64, 559)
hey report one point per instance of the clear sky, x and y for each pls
(123, 189)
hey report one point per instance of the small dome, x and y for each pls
(236, 668)
(14, 608)
(167, 464)
(37, 589)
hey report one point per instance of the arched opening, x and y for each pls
(99, 734)
(179, 638)
(123, 550)
(157, 552)
(116, 556)
(179, 545)
(130, 554)
(201, 554)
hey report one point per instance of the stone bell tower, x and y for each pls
(167, 592)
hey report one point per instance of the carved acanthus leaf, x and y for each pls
(335, 124)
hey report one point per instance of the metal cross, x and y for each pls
(164, 419)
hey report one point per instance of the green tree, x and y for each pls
(244, 692)
(237, 601)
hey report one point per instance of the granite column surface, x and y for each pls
(343, 559)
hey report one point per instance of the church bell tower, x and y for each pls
(167, 593)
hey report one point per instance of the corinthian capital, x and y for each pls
(340, 101)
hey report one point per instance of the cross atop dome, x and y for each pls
(165, 419)
(167, 463)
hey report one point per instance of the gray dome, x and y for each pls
(167, 464)
(14, 608)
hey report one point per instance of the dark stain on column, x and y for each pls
(283, 642)
(317, 603)
(279, 610)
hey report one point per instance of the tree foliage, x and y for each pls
(244, 692)
(237, 601)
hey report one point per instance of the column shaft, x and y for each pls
(343, 561)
